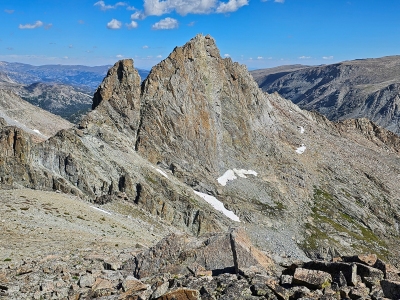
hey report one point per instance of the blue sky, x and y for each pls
(257, 33)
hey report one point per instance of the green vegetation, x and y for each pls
(7, 259)
(326, 211)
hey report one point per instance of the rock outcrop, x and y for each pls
(298, 183)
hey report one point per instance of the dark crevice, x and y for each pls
(15, 143)
(138, 192)
(121, 184)
(234, 254)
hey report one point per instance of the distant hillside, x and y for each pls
(66, 91)
(37, 122)
(367, 88)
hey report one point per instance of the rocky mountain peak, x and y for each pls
(116, 101)
(200, 111)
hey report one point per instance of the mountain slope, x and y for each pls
(197, 132)
(367, 88)
(39, 123)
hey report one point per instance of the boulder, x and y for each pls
(391, 289)
(366, 259)
(218, 253)
(349, 270)
(181, 294)
(312, 279)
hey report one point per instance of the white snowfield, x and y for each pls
(301, 149)
(301, 128)
(162, 173)
(99, 209)
(231, 175)
(218, 205)
(37, 131)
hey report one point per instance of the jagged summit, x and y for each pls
(197, 134)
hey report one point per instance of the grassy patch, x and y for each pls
(326, 212)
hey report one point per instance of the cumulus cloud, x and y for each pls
(132, 25)
(37, 24)
(231, 6)
(119, 56)
(9, 11)
(227, 55)
(167, 23)
(327, 57)
(304, 57)
(103, 6)
(114, 24)
(184, 7)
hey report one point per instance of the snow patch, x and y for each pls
(162, 173)
(99, 209)
(301, 149)
(218, 205)
(242, 173)
(37, 131)
(301, 128)
(230, 175)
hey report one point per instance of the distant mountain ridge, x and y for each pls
(64, 90)
(363, 88)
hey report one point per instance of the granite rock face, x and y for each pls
(297, 182)
(200, 114)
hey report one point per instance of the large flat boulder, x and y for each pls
(219, 253)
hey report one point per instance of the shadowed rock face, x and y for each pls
(197, 116)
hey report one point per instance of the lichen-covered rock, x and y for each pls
(312, 278)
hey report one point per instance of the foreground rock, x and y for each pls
(181, 276)
(206, 255)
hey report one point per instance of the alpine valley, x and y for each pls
(196, 184)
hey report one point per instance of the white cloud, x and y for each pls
(48, 26)
(304, 57)
(145, 47)
(227, 55)
(184, 7)
(280, 1)
(103, 6)
(119, 56)
(231, 6)
(132, 25)
(9, 11)
(159, 56)
(327, 57)
(167, 23)
(114, 24)
(192, 23)
(37, 24)
(260, 57)
(130, 8)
